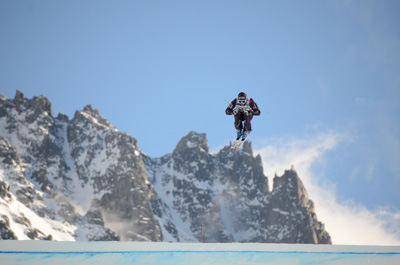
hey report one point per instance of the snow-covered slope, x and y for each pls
(80, 253)
(82, 179)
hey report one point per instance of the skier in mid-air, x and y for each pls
(243, 108)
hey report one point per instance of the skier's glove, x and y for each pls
(235, 111)
(248, 112)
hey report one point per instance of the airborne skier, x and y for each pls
(243, 108)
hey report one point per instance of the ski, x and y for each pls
(238, 144)
(235, 143)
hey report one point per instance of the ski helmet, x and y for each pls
(242, 97)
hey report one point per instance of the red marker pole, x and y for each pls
(201, 232)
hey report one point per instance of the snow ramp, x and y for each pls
(99, 253)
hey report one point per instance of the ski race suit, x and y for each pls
(244, 113)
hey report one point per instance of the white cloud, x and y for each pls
(347, 223)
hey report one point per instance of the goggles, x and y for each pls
(241, 101)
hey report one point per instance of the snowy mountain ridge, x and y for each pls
(82, 179)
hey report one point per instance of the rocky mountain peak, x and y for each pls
(77, 165)
(89, 109)
(289, 184)
(291, 207)
(19, 96)
(248, 148)
(91, 116)
(191, 154)
(193, 141)
(86, 174)
(38, 105)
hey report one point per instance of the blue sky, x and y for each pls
(328, 72)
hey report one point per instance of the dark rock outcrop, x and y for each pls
(229, 193)
(85, 173)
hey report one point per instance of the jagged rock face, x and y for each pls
(85, 180)
(5, 230)
(291, 208)
(112, 164)
(230, 196)
(75, 166)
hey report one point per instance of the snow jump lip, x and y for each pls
(52, 252)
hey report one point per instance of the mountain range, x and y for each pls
(82, 179)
